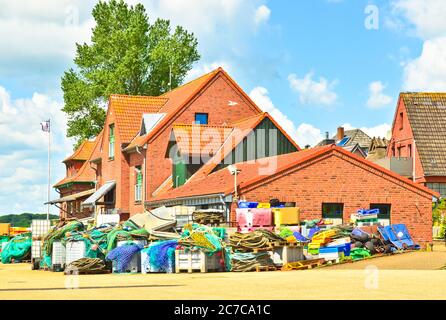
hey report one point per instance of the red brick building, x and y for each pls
(419, 134)
(325, 182)
(130, 161)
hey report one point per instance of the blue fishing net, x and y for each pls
(123, 255)
(162, 256)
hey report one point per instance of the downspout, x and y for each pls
(413, 160)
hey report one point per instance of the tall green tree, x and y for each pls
(127, 55)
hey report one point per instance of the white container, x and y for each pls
(58, 256)
(36, 249)
(40, 228)
(330, 256)
(135, 264)
(190, 261)
(74, 250)
(283, 255)
(107, 218)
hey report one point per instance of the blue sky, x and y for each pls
(313, 64)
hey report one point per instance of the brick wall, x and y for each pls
(212, 100)
(338, 179)
(402, 140)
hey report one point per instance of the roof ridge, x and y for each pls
(200, 125)
(120, 95)
(192, 81)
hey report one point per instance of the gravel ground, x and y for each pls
(406, 276)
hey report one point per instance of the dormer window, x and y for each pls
(201, 118)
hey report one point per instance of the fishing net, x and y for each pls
(123, 255)
(203, 237)
(18, 248)
(161, 256)
(248, 261)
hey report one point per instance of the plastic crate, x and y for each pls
(135, 264)
(254, 217)
(287, 254)
(313, 248)
(58, 256)
(74, 250)
(40, 228)
(197, 261)
(284, 216)
(36, 249)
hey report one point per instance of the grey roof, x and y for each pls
(426, 113)
(357, 136)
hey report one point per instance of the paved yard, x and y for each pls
(381, 278)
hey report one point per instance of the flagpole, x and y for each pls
(49, 169)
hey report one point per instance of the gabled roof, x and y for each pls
(426, 113)
(82, 153)
(222, 182)
(354, 148)
(242, 129)
(179, 98)
(197, 139)
(129, 110)
(85, 173)
(356, 136)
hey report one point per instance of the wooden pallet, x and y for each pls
(265, 268)
(302, 265)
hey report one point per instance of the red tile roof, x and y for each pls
(199, 139)
(222, 182)
(85, 173)
(83, 152)
(129, 111)
(179, 98)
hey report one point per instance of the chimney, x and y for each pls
(327, 135)
(340, 134)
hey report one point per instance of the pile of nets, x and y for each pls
(249, 261)
(62, 230)
(161, 256)
(17, 249)
(202, 237)
(258, 239)
(123, 255)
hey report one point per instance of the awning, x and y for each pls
(72, 197)
(102, 191)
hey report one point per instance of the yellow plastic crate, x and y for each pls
(284, 216)
(263, 205)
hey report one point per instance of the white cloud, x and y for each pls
(426, 16)
(23, 150)
(307, 134)
(426, 20)
(313, 92)
(381, 130)
(427, 72)
(303, 135)
(377, 99)
(262, 14)
(203, 68)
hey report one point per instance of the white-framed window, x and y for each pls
(111, 142)
(138, 183)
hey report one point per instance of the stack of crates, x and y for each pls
(250, 219)
(39, 229)
(135, 264)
